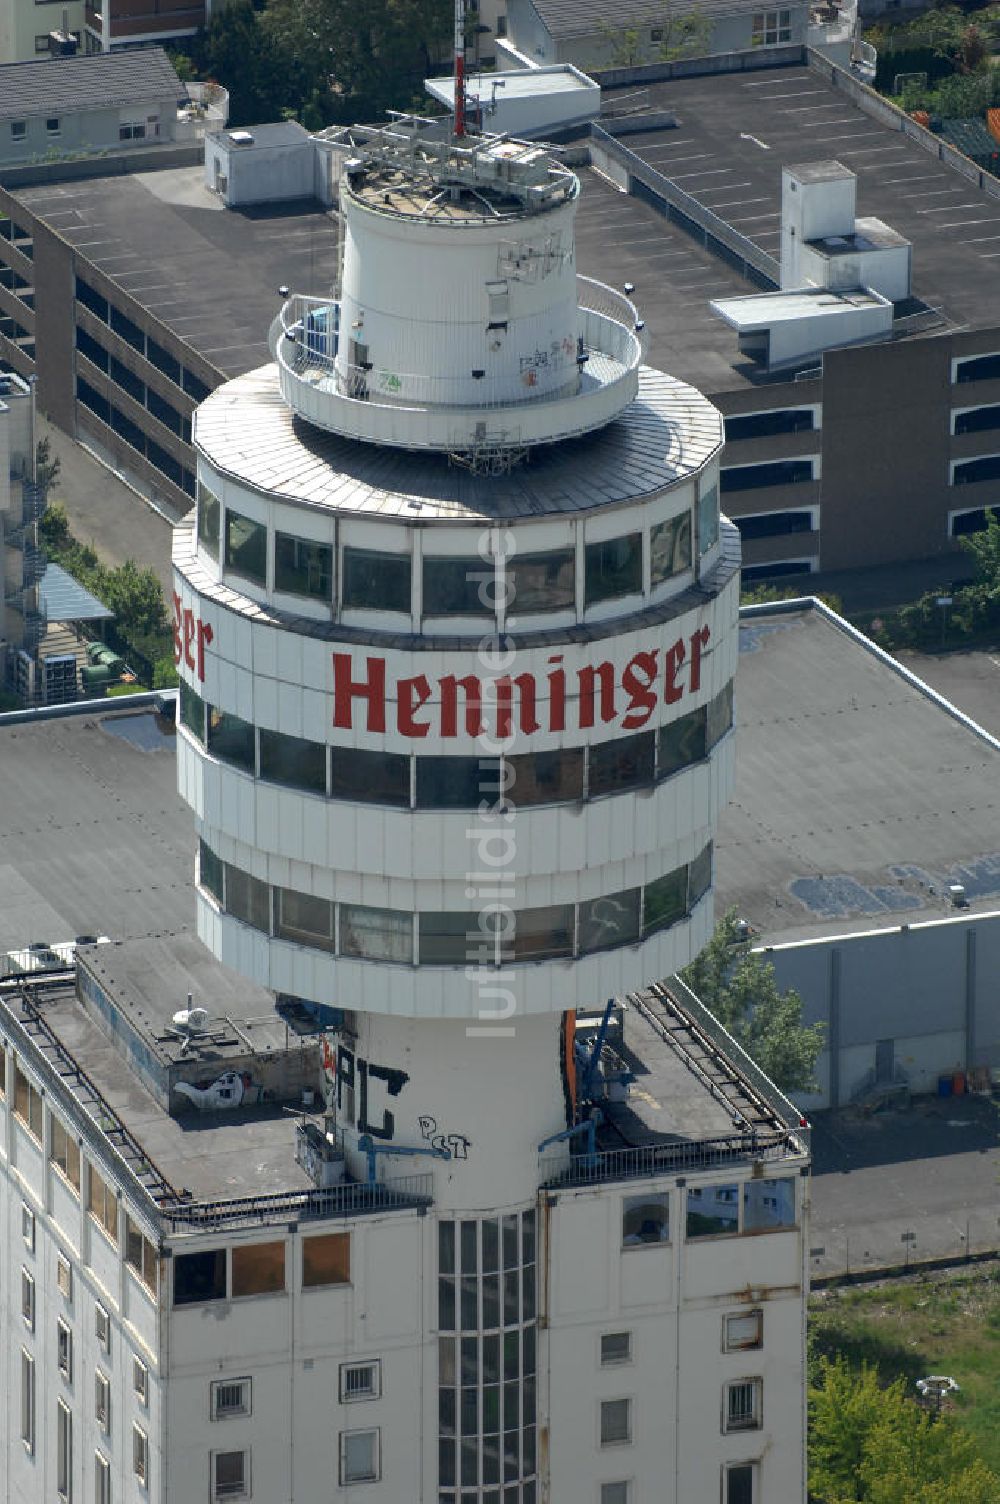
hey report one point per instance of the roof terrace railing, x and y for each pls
(644, 1160)
(401, 1193)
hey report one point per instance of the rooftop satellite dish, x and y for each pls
(188, 1023)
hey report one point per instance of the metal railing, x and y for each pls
(687, 212)
(794, 1121)
(406, 1192)
(305, 338)
(644, 1160)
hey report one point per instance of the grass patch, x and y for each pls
(935, 1323)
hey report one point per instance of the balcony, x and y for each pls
(418, 410)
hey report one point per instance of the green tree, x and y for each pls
(47, 465)
(680, 35)
(136, 598)
(877, 1446)
(739, 987)
(984, 548)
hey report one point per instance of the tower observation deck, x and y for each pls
(455, 620)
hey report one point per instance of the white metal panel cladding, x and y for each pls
(294, 689)
(443, 992)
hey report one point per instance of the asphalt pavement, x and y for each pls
(904, 1186)
(104, 512)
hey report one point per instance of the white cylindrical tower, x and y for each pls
(457, 652)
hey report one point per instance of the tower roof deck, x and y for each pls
(432, 180)
(246, 431)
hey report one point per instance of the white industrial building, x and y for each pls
(456, 624)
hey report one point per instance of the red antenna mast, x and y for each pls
(459, 67)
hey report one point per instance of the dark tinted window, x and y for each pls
(163, 360)
(163, 461)
(541, 582)
(231, 739)
(987, 468)
(453, 940)
(130, 432)
(210, 869)
(699, 876)
(774, 524)
(247, 898)
(772, 571)
(982, 368)
(129, 331)
(978, 420)
(665, 901)
(540, 934)
(92, 399)
(763, 425)
(376, 581)
(645, 1219)
(457, 782)
(290, 760)
(304, 918)
(739, 1484)
(164, 411)
(302, 567)
(95, 353)
(371, 777)
(682, 742)
(610, 920)
(670, 548)
(199, 1277)
(613, 568)
(969, 522)
(194, 386)
(97, 304)
(621, 765)
(544, 777)
(719, 715)
(246, 547)
(192, 711)
(777, 473)
(126, 379)
(209, 519)
(459, 587)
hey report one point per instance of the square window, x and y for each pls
(64, 1350)
(645, 1219)
(231, 1397)
(742, 1411)
(359, 1457)
(140, 1381)
(28, 1300)
(739, 1483)
(140, 1456)
(768, 1205)
(102, 1402)
(616, 1347)
(614, 1493)
(102, 1479)
(258, 1269)
(64, 1276)
(360, 1381)
(102, 1328)
(231, 1475)
(53, 125)
(741, 1330)
(199, 1277)
(616, 1422)
(713, 1211)
(326, 1260)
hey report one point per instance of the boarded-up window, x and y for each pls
(326, 1260)
(259, 1269)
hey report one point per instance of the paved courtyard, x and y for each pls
(915, 1184)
